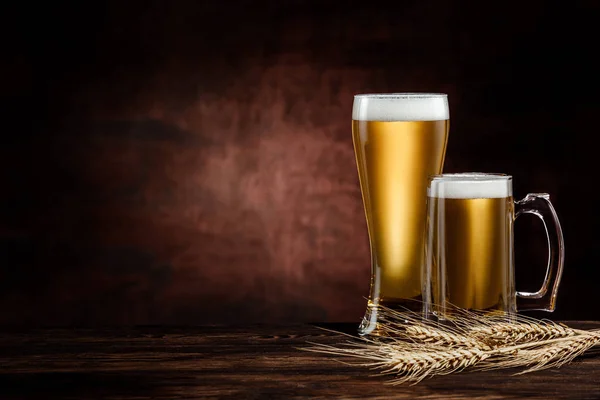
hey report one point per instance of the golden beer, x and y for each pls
(399, 141)
(475, 253)
(469, 255)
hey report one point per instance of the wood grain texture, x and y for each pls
(245, 362)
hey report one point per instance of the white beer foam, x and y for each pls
(470, 186)
(400, 107)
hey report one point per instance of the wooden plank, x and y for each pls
(241, 362)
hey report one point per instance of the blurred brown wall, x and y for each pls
(191, 162)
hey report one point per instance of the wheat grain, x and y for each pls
(505, 333)
(559, 354)
(408, 361)
(413, 348)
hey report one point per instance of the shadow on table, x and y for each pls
(347, 328)
(90, 385)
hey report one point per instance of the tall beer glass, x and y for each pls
(399, 142)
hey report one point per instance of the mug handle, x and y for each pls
(544, 299)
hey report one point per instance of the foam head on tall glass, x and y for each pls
(469, 261)
(399, 141)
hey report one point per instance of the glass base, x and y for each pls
(370, 325)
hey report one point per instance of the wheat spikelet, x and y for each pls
(436, 337)
(413, 348)
(413, 327)
(500, 328)
(502, 333)
(425, 363)
(559, 354)
(416, 366)
(409, 362)
(470, 328)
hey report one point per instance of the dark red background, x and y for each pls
(191, 162)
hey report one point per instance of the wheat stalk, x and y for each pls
(549, 353)
(504, 333)
(409, 362)
(413, 348)
(411, 326)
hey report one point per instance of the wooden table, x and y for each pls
(258, 362)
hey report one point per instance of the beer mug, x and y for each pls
(399, 141)
(469, 261)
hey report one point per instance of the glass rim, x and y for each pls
(407, 95)
(471, 177)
